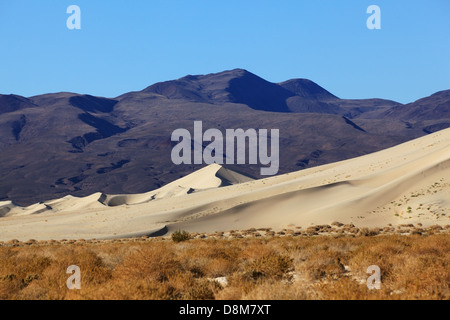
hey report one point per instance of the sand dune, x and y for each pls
(408, 183)
(212, 176)
(5, 208)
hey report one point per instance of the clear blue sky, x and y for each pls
(127, 45)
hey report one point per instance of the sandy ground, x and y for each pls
(409, 183)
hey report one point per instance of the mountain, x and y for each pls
(60, 144)
(235, 86)
(241, 86)
(434, 107)
(11, 103)
(307, 89)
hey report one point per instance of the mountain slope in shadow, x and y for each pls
(57, 144)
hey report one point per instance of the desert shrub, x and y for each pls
(412, 267)
(180, 236)
(152, 262)
(29, 278)
(275, 290)
(219, 267)
(323, 265)
(348, 289)
(368, 232)
(274, 266)
(203, 290)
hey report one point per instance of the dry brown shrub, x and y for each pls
(274, 290)
(156, 261)
(347, 289)
(230, 293)
(412, 267)
(367, 232)
(203, 290)
(323, 265)
(273, 266)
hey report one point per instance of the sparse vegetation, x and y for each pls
(281, 267)
(180, 236)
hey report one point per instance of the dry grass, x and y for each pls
(324, 267)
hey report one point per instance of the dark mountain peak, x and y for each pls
(236, 73)
(247, 88)
(296, 95)
(228, 76)
(11, 103)
(93, 104)
(183, 88)
(307, 89)
(178, 89)
(225, 75)
(236, 86)
(52, 99)
(433, 107)
(443, 94)
(437, 97)
(189, 77)
(54, 95)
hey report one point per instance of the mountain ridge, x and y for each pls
(64, 143)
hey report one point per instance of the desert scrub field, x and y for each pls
(319, 267)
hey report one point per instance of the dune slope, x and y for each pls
(408, 183)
